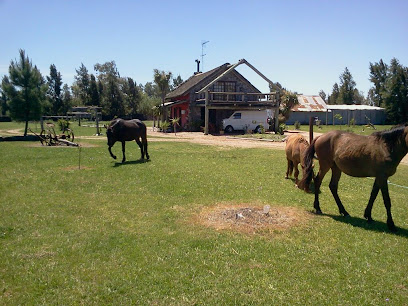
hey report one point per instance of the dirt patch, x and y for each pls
(250, 219)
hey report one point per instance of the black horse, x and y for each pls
(127, 130)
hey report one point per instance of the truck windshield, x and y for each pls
(237, 116)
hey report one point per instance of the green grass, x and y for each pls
(357, 129)
(123, 234)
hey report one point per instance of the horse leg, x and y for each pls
(334, 184)
(296, 174)
(387, 204)
(110, 151)
(140, 146)
(289, 169)
(144, 141)
(123, 151)
(374, 193)
(317, 182)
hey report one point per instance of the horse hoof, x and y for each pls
(318, 212)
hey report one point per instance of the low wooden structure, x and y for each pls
(214, 95)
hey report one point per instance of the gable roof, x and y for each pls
(207, 78)
(194, 80)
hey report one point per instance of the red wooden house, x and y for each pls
(206, 98)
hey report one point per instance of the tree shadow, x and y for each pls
(131, 162)
(374, 226)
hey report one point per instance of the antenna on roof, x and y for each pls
(202, 53)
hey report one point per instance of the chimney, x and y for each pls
(198, 66)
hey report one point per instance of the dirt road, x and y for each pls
(225, 140)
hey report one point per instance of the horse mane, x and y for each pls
(392, 135)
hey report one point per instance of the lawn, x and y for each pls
(128, 234)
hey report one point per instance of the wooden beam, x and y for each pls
(206, 113)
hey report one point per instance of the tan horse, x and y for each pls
(377, 155)
(296, 146)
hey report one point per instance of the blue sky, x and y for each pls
(304, 45)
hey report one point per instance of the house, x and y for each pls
(314, 106)
(206, 98)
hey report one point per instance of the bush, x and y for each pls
(297, 125)
(63, 125)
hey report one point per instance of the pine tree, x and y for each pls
(396, 92)
(82, 81)
(66, 98)
(378, 76)
(334, 97)
(347, 87)
(94, 92)
(54, 82)
(25, 90)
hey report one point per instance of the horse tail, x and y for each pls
(290, 167)
(144, 140)
(308, 166)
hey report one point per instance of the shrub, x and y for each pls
(63, 125)
(297, 125)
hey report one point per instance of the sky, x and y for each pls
(304, 45)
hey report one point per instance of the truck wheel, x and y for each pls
(258, 130)
(229, 129)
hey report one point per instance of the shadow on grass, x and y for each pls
(132, 162)
(375, 226)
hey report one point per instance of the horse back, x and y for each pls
(355, 155)
(127, 130)
(295, 148)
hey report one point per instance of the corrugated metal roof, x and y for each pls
(310, 104)
(354, 107)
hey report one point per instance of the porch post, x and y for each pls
(206, 113)
(277, 101)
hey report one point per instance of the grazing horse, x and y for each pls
(377, 155)
(296, 146)
(127, 130)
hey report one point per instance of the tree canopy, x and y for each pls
(25, 89)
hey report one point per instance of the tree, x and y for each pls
(3, 97)
(390, 89)
(334, 97)
(176, 82)
(94, 92)
(66, 98)
(322, 95)
(113, 99)
(25, 90)
(162, 80)
(150, 89)
(132, 96)
(378, 76)
(82, 81)
(396, 92)
(347, 87)
(54, 81)
(288, 101)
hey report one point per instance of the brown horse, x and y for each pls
(296, 146)
(127, 130)
(377, 155)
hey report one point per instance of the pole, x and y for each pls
(310, 129)
(206, 113)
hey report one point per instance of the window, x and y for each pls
(224, 87)
(237, 116)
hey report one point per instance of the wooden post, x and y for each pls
(310, 129)
(277, 101)
(206, 113)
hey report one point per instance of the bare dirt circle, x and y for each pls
(252, 219)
